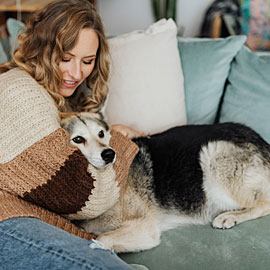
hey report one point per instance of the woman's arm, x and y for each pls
(127, 131)
(37, 163)
(38, 168)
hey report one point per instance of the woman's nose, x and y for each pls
(75, 71)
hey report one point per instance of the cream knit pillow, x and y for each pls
(146, 80)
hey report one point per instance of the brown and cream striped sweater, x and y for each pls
(41, 174)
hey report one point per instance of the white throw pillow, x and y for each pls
(146, 86)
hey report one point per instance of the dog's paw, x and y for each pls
(106, 241)
(224, 221)
(97, 245)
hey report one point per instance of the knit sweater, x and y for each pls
(41, 174)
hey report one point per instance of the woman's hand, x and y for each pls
(127, 131)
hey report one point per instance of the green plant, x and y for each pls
(164, 9)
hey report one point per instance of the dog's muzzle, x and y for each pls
(108, 155)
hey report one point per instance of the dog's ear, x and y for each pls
(64, 123)
(102, 107)
(66, 120)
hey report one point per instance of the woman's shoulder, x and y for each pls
(17, 83)
(16, 76)
(28, 113)
(21, 93)
(14, 72)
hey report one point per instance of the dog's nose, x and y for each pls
(108, 155)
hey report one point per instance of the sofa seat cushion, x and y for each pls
(245, 246)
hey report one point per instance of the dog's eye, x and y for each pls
(78, 139)
(101, 134)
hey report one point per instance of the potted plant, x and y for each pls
(164, 9)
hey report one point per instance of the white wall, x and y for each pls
(122, 16)
(191, 14)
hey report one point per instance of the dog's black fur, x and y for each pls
(177, 174)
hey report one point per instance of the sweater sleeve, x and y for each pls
(125, 152)
(50, 173)
(12, 206)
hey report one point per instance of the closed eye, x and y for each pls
(88, 62)
(78, 139)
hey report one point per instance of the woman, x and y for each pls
(61, 56)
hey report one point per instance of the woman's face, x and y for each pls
(78, 63)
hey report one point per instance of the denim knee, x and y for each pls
(29, 243)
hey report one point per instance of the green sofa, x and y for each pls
(197, 247)
(224, 81)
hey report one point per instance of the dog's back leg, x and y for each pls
(229, 219)
(236, 178)
(133, 235)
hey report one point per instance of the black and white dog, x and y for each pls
(188, 174)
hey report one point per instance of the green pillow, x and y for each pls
(3, 56)
(14, 28)
(247, 96)
(264, 55)
(206, 64)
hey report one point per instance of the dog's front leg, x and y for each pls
(106, 222)
(133, 235)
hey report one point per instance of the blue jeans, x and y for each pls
(29, 243)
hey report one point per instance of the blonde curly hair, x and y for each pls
(50, 33)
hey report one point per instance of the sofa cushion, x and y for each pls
(206, 64)
(264, 55)
(245, 246)
(7, 45)
(3, 55)
(247, 95)
(14, 27)
(146, 81)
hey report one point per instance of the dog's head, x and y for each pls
(91, 134)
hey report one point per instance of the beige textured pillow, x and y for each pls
(146, 81)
